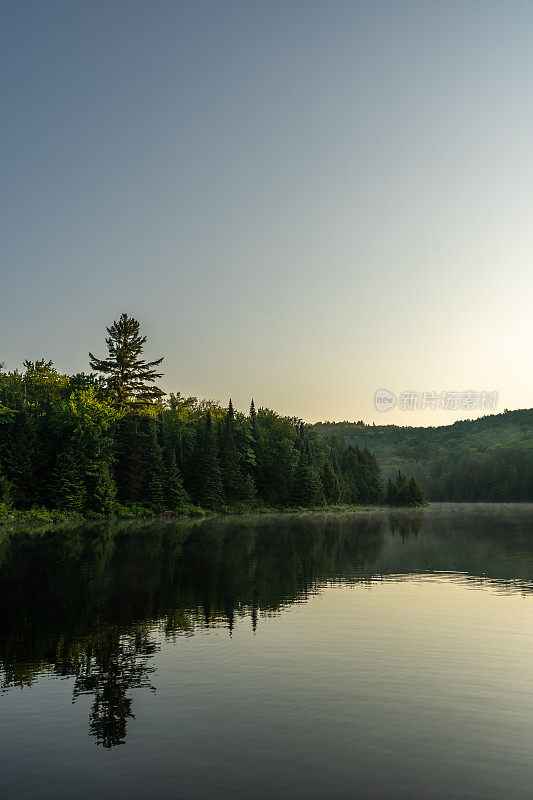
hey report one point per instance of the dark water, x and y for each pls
(387, 655)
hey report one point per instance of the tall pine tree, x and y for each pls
(176, 495)
(330, 482)
(105, 491)
(69, 490)
(19, 458)
(307, 488)
(155, 492)
(128, 376)
(207, 482)
(235, 486)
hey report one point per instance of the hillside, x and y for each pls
(486, 459)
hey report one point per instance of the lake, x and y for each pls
(386, 654)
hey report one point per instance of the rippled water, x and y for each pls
(382, 655)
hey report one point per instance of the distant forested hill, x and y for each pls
(486, 459)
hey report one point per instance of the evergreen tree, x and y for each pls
(59, 436)
(370, 483)
(155, 492)
(400, 490)
(128, 376)
(330, 482)
(19, 457)
(235, 486)
(5, 491)
(105, 491)
(68, 488)
(415, 493)
(130, 455)
(307, 489)
(350, 471)
(176, 496)
(253, 416)
(404, 492)
(207, 481)
(256, 469)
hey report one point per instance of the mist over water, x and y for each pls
(385, 654)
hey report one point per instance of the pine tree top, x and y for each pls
(127, 375)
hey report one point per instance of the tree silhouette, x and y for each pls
(108, 671)
(128, 376)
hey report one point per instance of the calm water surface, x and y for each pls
(387, 655)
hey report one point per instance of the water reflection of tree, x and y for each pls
(406, 523)
(108, 669)
(87, 603)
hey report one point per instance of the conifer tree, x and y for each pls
(19, 457)
(415, 492)
(207, 482)
(256, 469)
(400, 490)
(176, 495)
(128, 377)
(69, 491)
(130, 450)
(351, 480)
(370, 483)
(155, 493)
(405, 492)
(235, 487)
(105, 491)
(330, 482)
(307, 488)
(5, 491)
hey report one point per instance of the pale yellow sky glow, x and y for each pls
(301, 204)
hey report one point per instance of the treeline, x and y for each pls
(110, 442)
(64, 445)
(480, 460)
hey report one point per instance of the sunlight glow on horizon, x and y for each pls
(302, 203)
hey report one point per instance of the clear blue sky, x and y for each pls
(301, 202)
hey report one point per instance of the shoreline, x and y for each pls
(38, 517)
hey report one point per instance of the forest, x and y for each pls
(489, 459)
(111, 442)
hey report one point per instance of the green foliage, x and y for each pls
(5, 509)
(479, 460)
(405, 492)
(128, 377)
(105, 492)
(82, 444)
(306, 487)
(237, 486)
(207, 483)
(68, 489)
(176, 495)
(6, 490)
(415, 493)
(155, 491)
(331, 485)
(19, 453)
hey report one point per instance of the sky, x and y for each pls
(301, 202)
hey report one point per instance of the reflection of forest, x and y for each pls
(82, 602)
